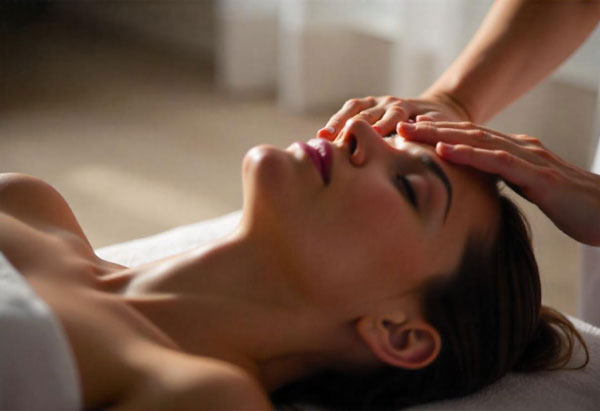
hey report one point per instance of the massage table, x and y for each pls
(37, 370)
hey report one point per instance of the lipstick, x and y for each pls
(320, 153)
(325, 155)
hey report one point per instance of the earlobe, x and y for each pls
(411, 344)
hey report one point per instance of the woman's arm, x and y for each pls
(518, 44)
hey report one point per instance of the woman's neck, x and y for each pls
(238, 301)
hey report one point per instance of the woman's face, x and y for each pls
(386, 216)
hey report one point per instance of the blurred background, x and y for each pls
(139, 112)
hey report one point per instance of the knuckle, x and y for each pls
(481, 136)
(352, 104)
(467, 124)
(550, 176)
(420, 127)
(390, 100)
(503, 157)
(533, 140)
(396, 109)
(370, 100)
(541, 152)
(337, 118)
(429, 117)
(528, 139)
(424, 128)
(365, 115)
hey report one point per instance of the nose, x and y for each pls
(361, 141)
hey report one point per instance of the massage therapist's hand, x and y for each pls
(568, 195)
(385, 112)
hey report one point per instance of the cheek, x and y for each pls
(383, 220)
(372, 245)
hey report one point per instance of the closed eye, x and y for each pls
(408, 189)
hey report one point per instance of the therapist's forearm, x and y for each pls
(518, 44)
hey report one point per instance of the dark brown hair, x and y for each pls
(491, 321)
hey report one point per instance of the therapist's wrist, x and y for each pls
(451, 102)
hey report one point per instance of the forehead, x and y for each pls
(412, 147)
(482, 180)
(475, 208)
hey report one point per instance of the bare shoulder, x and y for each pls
(34, 201)
(197, 384)
(15, 186)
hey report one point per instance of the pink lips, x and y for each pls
(321, 155)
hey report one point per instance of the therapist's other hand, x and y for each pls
(568, 195)
(385, 112)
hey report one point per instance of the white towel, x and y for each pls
(37, 368)
(547, 391)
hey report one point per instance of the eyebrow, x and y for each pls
(435, 168)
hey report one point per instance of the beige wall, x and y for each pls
(185, 26)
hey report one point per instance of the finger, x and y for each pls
(430, 133)
(392, 116)
(350, 108)
(508, 166)
(467, 125)
(424, 117)
(371, 115)
(433, 115)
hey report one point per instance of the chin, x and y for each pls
(266, 167)
(268, 184)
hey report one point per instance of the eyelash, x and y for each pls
(410, 191)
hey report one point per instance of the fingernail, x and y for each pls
(407, 126)
(377, 129)
(410, 120)
(327, 131)
(443, 147)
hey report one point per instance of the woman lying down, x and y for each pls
(366, 273)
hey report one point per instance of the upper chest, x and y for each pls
(103, 330)
(50, 252)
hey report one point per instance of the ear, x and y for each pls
(410, 344)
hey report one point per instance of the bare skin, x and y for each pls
(290, 292)
(518, 44)
(124, 359)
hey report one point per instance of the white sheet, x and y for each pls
(548, 391)
(37, 369)
(560, 390)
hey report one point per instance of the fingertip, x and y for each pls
(443, 149)
(404, 128)
(399, 129)
(325, 132)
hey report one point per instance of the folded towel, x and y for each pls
(548, 390)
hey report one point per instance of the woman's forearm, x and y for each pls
(518, 44)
